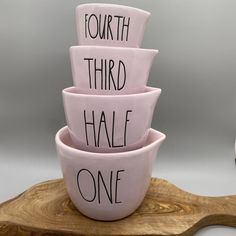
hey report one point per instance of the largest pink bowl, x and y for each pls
(107, 186)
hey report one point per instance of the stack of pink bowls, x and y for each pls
(108, 149)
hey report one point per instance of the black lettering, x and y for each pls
(96, 26)
(116, 186)
(105, 80)
(107, 27)
(111, 78)
(97, 69)
(125, 25)
(94, 184)
(93, 126)
(113, 131)
(126, 121)
(89, 71)
(121, 64)
(118, 27)
(109, 31)
(102, 31)
(85, 22)
(103, 182)
(103, 120)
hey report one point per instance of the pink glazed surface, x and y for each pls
(110, 70)
(107, 186)
(100, 123)
(124, 26)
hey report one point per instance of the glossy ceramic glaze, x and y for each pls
(109, 123)
(106, 186)
(110, 70)
(110, 25)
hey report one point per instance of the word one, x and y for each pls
(98, 184)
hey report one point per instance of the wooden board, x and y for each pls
(45, 209)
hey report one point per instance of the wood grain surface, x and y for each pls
(45, 209)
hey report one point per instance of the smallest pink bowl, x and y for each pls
(107, 186)
(110, 25)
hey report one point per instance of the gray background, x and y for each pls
(196, 69)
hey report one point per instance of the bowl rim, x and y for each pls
(150, 91)
(115, 6)
(104, 155)
(112, 48)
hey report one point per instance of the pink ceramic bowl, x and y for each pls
(109, 123)
(110, 25)
(110, 70)
(107, 186)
